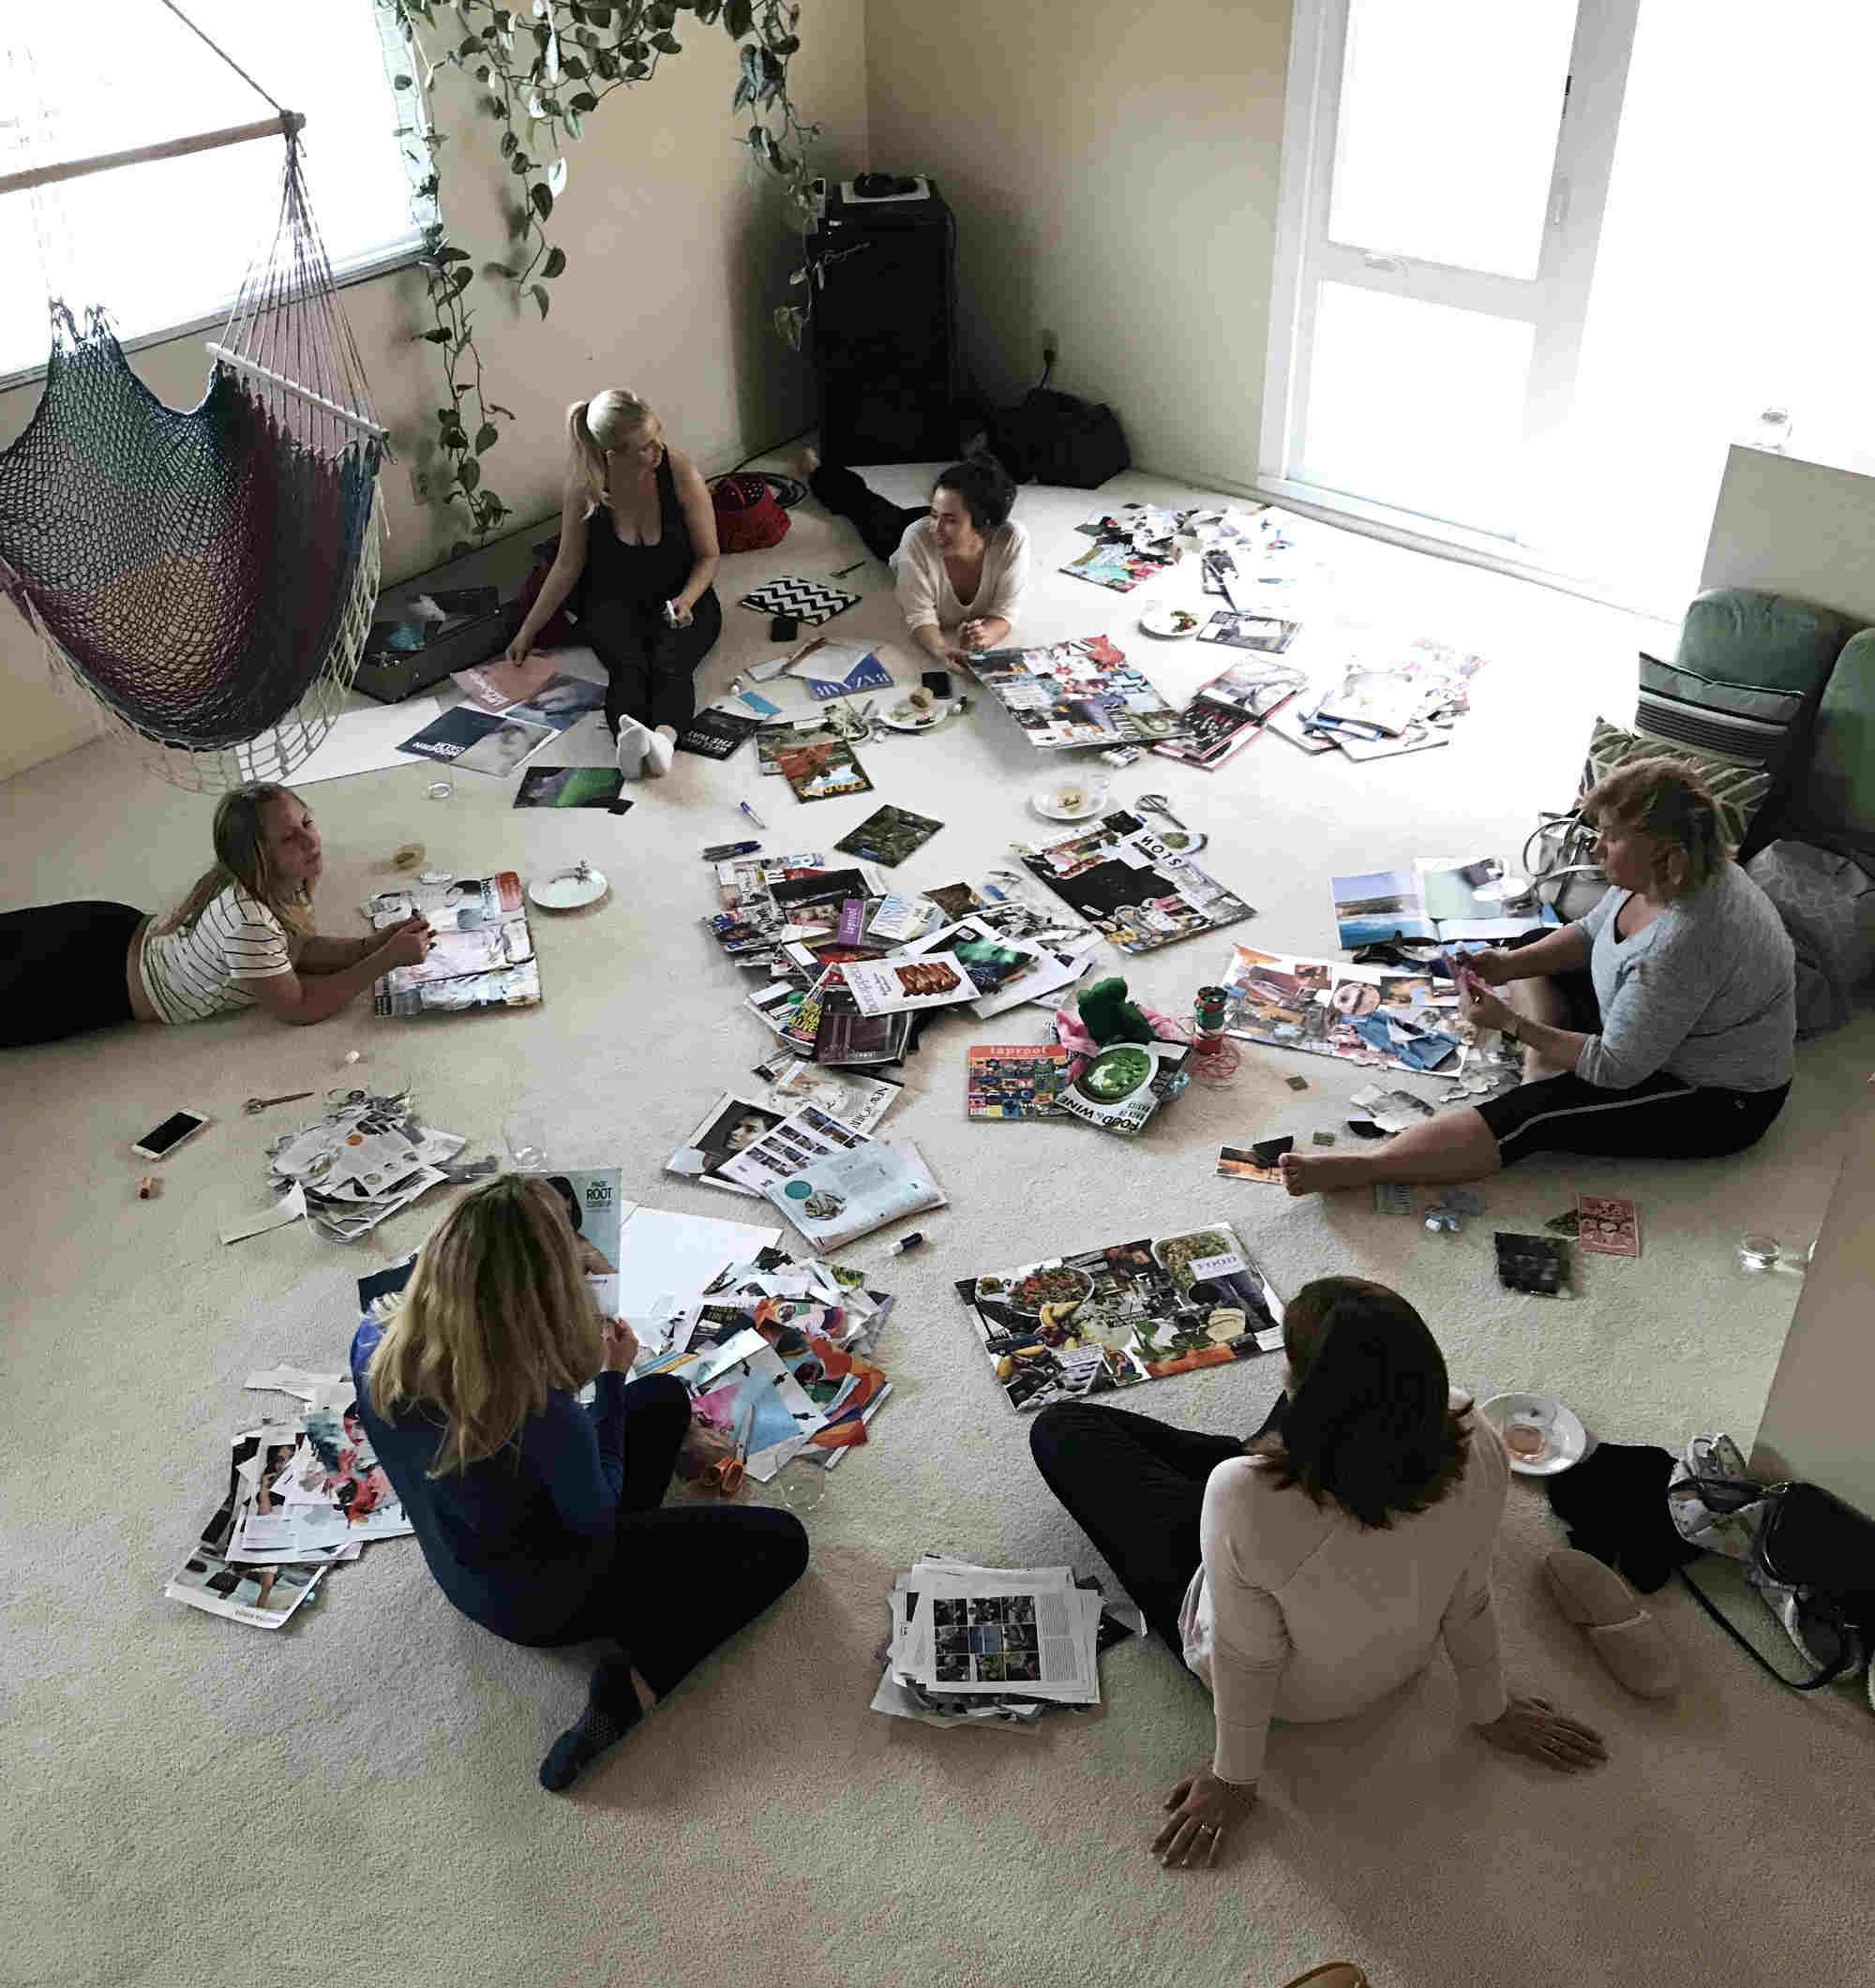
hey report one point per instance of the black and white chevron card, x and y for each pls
(810, 601)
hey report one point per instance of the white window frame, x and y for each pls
(413, 122)
(1556, 302)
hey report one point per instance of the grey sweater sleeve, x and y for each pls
(1660, 996)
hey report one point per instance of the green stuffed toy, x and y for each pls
(1108, 1016)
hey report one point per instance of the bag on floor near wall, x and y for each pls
(1055, 438)
(1827, 904)
(1808, 1554)
(749, 517)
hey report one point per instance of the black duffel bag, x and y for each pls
(1055, 438)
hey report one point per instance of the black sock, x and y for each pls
(612, 1709)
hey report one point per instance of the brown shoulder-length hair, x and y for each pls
(1370, 1423)
(1667, 798)
(496, 1318)
(240, 839)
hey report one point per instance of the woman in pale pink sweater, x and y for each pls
(1307, 1573)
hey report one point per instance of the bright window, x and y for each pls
(164, 246)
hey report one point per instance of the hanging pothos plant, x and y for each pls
(539, 72)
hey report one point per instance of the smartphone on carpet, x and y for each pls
(938, 681)
(163, 1141)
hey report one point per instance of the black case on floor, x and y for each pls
(391, 679)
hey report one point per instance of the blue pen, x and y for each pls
(752, 814)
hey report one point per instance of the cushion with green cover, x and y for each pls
(1833, 800)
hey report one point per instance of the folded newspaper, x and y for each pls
(362, 1161)
(1003, 1644)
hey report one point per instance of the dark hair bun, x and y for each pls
(987, 489)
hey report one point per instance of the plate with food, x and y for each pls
(1170, 624)
(1542, 1434)
(1069, 799)
(569, 890)
(908, 716)
(1176, 1254)
(1116, 1072)
(1048, 1284)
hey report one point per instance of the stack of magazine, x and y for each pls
(482, 956)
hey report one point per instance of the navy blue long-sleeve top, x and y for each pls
(520, 1541)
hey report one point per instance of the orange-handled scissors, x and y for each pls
(724, 1476)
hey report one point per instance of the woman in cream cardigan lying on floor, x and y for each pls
(243, 936)
(1305, 1574)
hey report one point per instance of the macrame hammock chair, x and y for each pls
(207, 575)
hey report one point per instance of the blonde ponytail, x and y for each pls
(594, 428)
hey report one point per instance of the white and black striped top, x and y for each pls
(193, 975)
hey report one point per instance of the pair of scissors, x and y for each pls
(724, 1476)
(260, 1104)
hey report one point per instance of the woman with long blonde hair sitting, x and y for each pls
(637, 537)
(540, 1519)
(241, 936)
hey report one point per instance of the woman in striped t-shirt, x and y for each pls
(241, 936)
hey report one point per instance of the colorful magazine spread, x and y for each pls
(482, 955)
(1439, 898)
(1231, 710)
(888, 835)
(1081, 692)
(572, 786)
(843, 1196)
(1016, 1080)
(1125, 878)
(1122, 1313)
(1363, 1014)
(822, 769)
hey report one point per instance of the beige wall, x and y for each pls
(1113, 168)
(1816, 1420)
(675, 255)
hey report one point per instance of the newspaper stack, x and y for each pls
(361, 1162)
(302, 1494)
(1003, 1644)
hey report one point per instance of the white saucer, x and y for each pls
(1045, 802)
(1170, 624)
(914, 720)
(569, 890)
(1564, 1439)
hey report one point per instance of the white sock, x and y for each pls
(658, 755)
(633, 741)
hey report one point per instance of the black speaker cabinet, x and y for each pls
(883, 336)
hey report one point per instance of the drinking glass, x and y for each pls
(1758, 1253)
(526, 1141)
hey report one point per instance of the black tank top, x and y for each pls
(615, 571)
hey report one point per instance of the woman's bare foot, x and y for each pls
(1323, 1172)
(807, 463)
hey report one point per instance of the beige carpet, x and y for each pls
(192, 1801)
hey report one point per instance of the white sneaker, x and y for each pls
(658, 754)
(634, 746)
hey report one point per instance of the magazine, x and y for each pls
(1403, 700)
(483, 741)
(596, 1207)
(1009, 903)
(1439, 898)
(837, 669)
(882, 987)
(480, 949)
(717, 734)
(1117, 565)
(1006, 1641)
(849, 1095)
(512, 987)
(845, 1035)
(889, 835)
(361, 1162)
(729, 1126)
(837, 1199)
(459, 906)
(558, 704)
(1139, 893)
(774, 739)
(1081, 692)
(781, 1151)
(1249, 631)
(573, 786)
(263, 1597)
(1006, 971)
(1124, 1083)
(1363, 1014)
(330, 1492)
(1017, 1079)
(1122, 1313)
(823, 770)
(902, 915)
(499, 685)
(1231, 710)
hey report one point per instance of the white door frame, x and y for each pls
(1554, 302)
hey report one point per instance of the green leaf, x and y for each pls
(583, 101)
(401, 82)
(462, 279)
(460, 548)
(501, 269)
(539, 295)
(468, 472)
(471, 45)
(599, 16)
(510, 144)
(667, 43)
(739, 16)
(486, 435)
(607, 67)
(452, 255)
(573, 68)
(520, 162)
(496, 408)
(542, 199)
(634, 50)
(574, 124)
(439, 337)
(556, 261)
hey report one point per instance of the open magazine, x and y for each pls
(1122, 1313)
(1131, 884)
(849, 1194)
(483, 956)
(1439, 898)
(1081, 692)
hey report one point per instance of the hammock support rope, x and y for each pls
(208, 576)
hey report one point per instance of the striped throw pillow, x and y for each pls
(1739, 790)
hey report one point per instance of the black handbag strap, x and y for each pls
(1827, 1675)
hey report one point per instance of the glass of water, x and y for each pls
(526, 1141)
(1758, 1253)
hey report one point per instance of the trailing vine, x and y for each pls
(539, 72)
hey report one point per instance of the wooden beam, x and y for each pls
(287, 123)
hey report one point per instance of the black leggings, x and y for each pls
(686, 1578)
(1136, 1489)
(62, 970)
(1662, 1117)
(882, 523)
(650, 664)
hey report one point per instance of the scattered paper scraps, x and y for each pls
(358, 1164)
(290, 1207)
(1125, 878)
(889, 835)
(1567, 1223)
(1122, 1313)
(1297, 1084)
(1538, 1264)
(1240, 1163)
(1360, 1014)
(1608, 1225)
(1268, 1151)
(1391, 1198)
(1463, 1200)
(1325, 1139)
(729, 1127)
(810, 601)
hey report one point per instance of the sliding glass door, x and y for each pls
(1446, 169)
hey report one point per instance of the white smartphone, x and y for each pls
(167, 1137)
